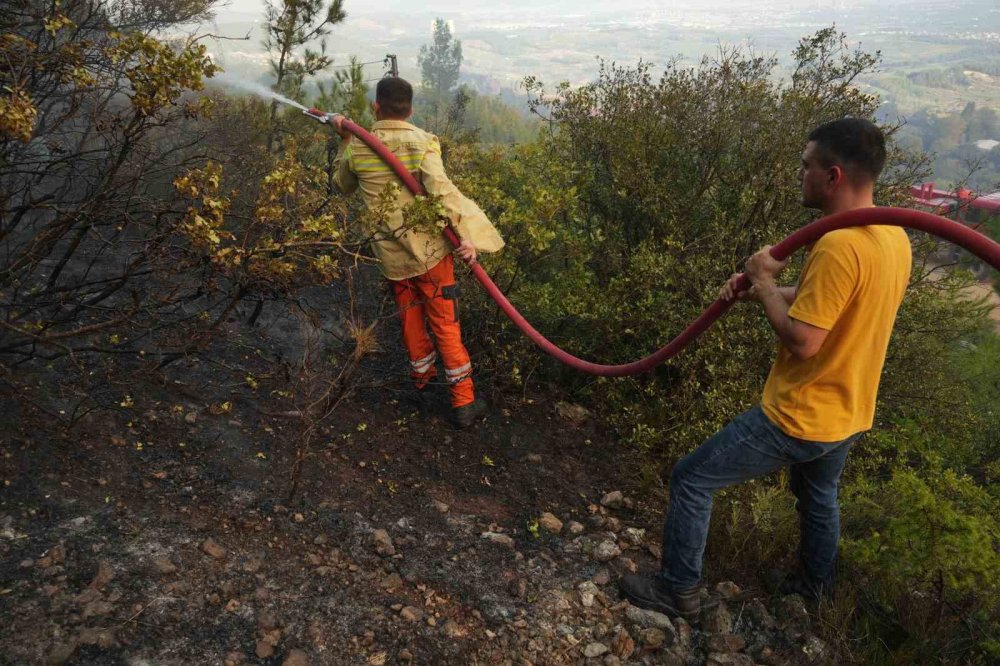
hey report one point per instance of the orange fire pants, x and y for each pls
(433, 297)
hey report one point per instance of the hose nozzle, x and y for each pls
(321, 116)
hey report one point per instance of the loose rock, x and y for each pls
(613, 500)
(296, 658)
(648, 618)
(606, 551)
(104, 575)
(595, 650)
(411, 613)
(726, 643)
(623, 645)
(264, 650)
(383, 543)
(550, 523)
(164, 565)
(728, 590)
(212, 549)
(575, 528)
(634, 536)
(652, 638)
(732, 659)
(501, 539)
(717, 619)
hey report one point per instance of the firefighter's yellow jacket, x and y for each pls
(407, 253)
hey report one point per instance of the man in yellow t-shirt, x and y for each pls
(834, 329)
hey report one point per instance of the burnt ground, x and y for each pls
(158, 530)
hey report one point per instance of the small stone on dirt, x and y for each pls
(613, 500)
(652, 637)
(440, 506)
(575, 414)
(729, 659)
(264, 650)
(164, 565)
(728, 590)
(648, 618)
(550, 523)
(266, 621)
(726, 643)
(391, 582)
(717, 620)
(411, 613)
(606, 551)
(501, 539)
(104, 575)
(623, 645)
(533, 458)
(211, 548)
(595, 650)
(453, 629)
(383, 543)
(296, 658)
(575, 528)
(634, 536)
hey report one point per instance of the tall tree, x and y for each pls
(440, 61)
(291, 24)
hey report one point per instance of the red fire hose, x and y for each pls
(977, 243)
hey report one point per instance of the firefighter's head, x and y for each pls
(393, 99)
(841, 163)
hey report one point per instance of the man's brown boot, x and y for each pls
(648, 590)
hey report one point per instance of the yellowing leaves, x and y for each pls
(159, 72)
(54, 24)
(17, 115)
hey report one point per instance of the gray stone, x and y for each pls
(792, 610)
(595, 650)
(606, 551)
(717, 619)
(726, 643)
(613, 500)
(758, 614)
(497, 538)
(648, 618)
(653, 638)
(729, 659)
(634, 536)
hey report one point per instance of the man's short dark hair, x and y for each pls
(394, 96)
(856, 144)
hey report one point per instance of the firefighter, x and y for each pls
(419, 264)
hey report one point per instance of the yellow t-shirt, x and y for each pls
(852, 285)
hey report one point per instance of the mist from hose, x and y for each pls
(230, 81)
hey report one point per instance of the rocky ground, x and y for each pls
(159, 531)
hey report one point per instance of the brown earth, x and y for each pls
(158, 530)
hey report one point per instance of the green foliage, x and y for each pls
(621, 223)
(440, 61)
(347, 93)
(291, 25)
(928, 542)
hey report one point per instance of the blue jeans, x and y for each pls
(749, 447)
